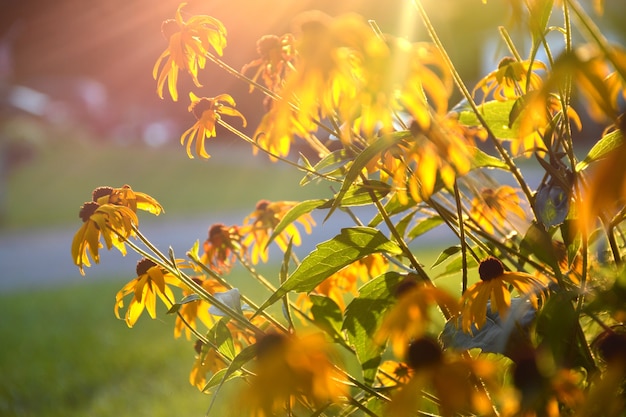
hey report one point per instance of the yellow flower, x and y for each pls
(113, 223)
(125, 196)
(208, 361)
(290, 368)
(189, 42)
(276, 61)
(510, 80)
(207, 112)
(220, 247)
(409, 318)
(259, 225)
(493, 207)
(494, 286)
(451, 379)
(196, 310)
(152, 280)
(391, 373)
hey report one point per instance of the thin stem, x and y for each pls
(459, 208)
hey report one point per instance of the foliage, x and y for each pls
(540, 332)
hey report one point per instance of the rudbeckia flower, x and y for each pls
(189, 42)
(112, 222)
(207, 112)
(409, 318)
(208, 361)
(276, 60)
(449, 378)
(494, 286)
(126, 196)
(289, 369)
(192, 312)
(259, 225)
(492, 207)
(151, 281)
(510, 80)
(220, 247)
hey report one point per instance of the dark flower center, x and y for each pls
(201, 106)
(169, 27)
(423, 352)
(415, 128)
(197, 280)
(611, 346)
(490, 268)
(198, 346)
(262, 205)
(143, 265)
(216, 230)
(406, 285)
(268, 343)
(87, 209)
(266, 44)
(507, 60)
(101, 192)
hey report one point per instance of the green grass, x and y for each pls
(64, 354)
(50, 189)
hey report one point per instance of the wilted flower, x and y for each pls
(221, 246)
(259, 225)
(289, 369)
(189, 42)
(152, 281)
(510, 81)
(207, 112)
(493, 207)
(494, 286)
(276, 60)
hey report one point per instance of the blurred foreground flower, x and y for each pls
(451, 379)
(152, 281)
(207, 112)
(493, 287)
(291, 369)
(189, 42)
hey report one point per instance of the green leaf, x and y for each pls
(327, 316)
(292, 215)
(456, 264)
(364, 158)
(359, 194)
(496, 114)
(363, 317)
(558, 326)
(424, 226)
(218, 378)
(246, 355)
(331, 163)
(188, 299)
(484, 160)
(538, 242)
(329, 257)
(540, 12)
(602, 147)
(446, 253)
(393, 207)
(222, 339)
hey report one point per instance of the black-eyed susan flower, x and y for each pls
(392, 373)
(207, 362)
(510, 80)
(259, 225)
(111, 222)
(207, 112)
(221, 246)
(493, 207)
(126, 196)
(409, 318)
(493, 285)
(189, 42)
(276, 60)
(289, 370)
(152, 281)
(192, 312)
(451, 380)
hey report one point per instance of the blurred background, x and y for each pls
(78, 109)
